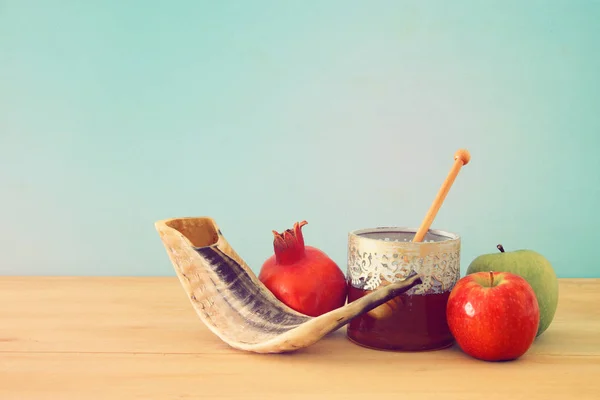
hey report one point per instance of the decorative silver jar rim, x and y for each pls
(433, 235)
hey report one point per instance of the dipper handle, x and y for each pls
(461, 158)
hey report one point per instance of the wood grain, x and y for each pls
(138, 338)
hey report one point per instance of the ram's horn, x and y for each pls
(236, 306)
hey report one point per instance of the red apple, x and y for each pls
(493, 316)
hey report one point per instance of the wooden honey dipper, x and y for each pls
(461, 158)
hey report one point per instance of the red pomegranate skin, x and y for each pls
(303, 277)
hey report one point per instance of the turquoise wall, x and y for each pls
(114, 114)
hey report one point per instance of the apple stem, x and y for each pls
(491, 279)
(500, 247)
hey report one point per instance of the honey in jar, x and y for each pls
(416, 319)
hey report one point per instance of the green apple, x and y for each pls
(534, 268)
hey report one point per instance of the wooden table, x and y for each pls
(139, 338)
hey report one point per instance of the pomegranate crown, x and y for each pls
(289, 245)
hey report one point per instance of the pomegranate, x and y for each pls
(303, 277)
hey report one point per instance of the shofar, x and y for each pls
(236, 306)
